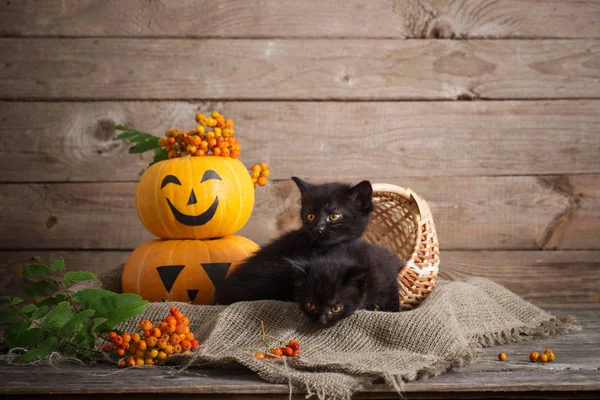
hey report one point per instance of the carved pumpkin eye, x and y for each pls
(210, 174)
(336, 309)
(334, 217)
(170, 179)
(310, 306)
(310, 217)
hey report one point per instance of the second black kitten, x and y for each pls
(353, 276)
(331, 214)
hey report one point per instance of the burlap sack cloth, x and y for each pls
(444, 332)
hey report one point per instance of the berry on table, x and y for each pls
(534, 356)
(502, 356)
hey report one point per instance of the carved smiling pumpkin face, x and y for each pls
(183, 270)
(195, 197)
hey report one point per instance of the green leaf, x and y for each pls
(160, 154)
(85, 339)
(28, 338)
(75, 323)
(58, 265)
(34, 270)
(43, 349)
(57, 318)
(72, 277)
(40, 313)
(8, 316)
(29, 308)
(91, 298)
(52, 301)
(96, 322)
(120, 127)
(14, 331)
(16, 300)
(149, 144)
(41, 287)
(125, 312)
(129, 135)
(38, 259)
(114, 307)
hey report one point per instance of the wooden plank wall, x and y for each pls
(489, 109)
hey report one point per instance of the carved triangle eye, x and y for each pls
(168, 275)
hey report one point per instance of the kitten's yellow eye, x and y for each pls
(310, 217)
(336, 309)
(334, 217)
(310, 306)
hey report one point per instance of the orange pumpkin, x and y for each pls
(195, 197)
(183, 270)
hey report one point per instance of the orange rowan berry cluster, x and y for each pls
(155, 343)
(289, 350)
(546, 356)
(283, 349)
(260, 173)
(213, 135)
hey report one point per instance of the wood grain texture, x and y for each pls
(67, 141)
(575, 372)
(35, 68)
(545, 278)
(289, 18)
(470, 213)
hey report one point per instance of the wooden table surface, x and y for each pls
(575, 373)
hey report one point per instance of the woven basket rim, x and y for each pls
(420, 210)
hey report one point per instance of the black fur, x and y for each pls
(353, 276)
(262, 277)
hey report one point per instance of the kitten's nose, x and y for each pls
(321, 229)
(323, 320)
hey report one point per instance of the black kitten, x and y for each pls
(353, 276)
(331, 214)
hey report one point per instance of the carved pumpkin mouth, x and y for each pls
(194, 220)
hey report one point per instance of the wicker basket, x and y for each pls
(403, 223)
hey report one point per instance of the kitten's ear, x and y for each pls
(302, 185)
(299, 266)
(362, 194)
(357, 276)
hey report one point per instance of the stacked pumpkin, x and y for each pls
(194, 205)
